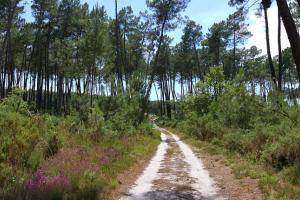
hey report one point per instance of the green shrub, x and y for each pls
(205, 128)
(294, 115)
(10, 181)
(18, 139)
(291, 174)
(53, 146)
(88, 187)
(14, 103)
(239, 141)
(237, 109)
(25, 143)
(80, 107)
(164, 121)
(145, 128)
(29, 141)
(36, 157)
(285, 151)
(199, 103)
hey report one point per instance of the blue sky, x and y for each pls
(204, 12)
(207, 12)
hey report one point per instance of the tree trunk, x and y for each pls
(271, 65)
(148, 90)
(234, 54)
(198, 61)
(118, 58)
(291, 30)
(280, 62)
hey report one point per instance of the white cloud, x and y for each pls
(257, 28)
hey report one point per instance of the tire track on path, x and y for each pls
(174, 173)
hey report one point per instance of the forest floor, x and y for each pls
(179, 171)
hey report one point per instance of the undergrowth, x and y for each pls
(263, 131)
(78, 156)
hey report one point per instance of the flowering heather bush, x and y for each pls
(72, 162)
(108, 156)
(80, 175)
(43, 186)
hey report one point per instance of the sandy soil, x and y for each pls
(178, 171)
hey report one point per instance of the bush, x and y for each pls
(292, 174)
(80, 107)
(18, 139)
(265, 130)
(44, 187)
(199, 103)
(145, 128)
(166, 122)
(237, 109)
(30, 141)
(88, 187)
(36, 157)
(10, 181)
(204, 128)
(239, 141)
(25, 143)
(285, 151)
(53, 146)
(14, 103)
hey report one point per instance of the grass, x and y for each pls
(122, 153)
(83, 152)
(135, 148)
(46, 144)
(274, 185)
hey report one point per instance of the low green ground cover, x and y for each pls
(264, 131)
(66, 157)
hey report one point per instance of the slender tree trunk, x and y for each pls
(7, 39)
(118, 58)
(158, 101)
(125, 62)
(168, 95)
(152, 74)
(197, 60)
(59, 93)
(181, 86)
(271, 65)
(191, 83)
(91, 89)
(280, 62)
(234, 54)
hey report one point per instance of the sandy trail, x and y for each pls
(174, 173)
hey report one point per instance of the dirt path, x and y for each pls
(176, 172)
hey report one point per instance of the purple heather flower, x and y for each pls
(41, 184)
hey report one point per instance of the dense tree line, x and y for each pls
(72, 50)
(74, 79)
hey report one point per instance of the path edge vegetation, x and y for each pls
(273, 185)
(79, 156)
(263, 132)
